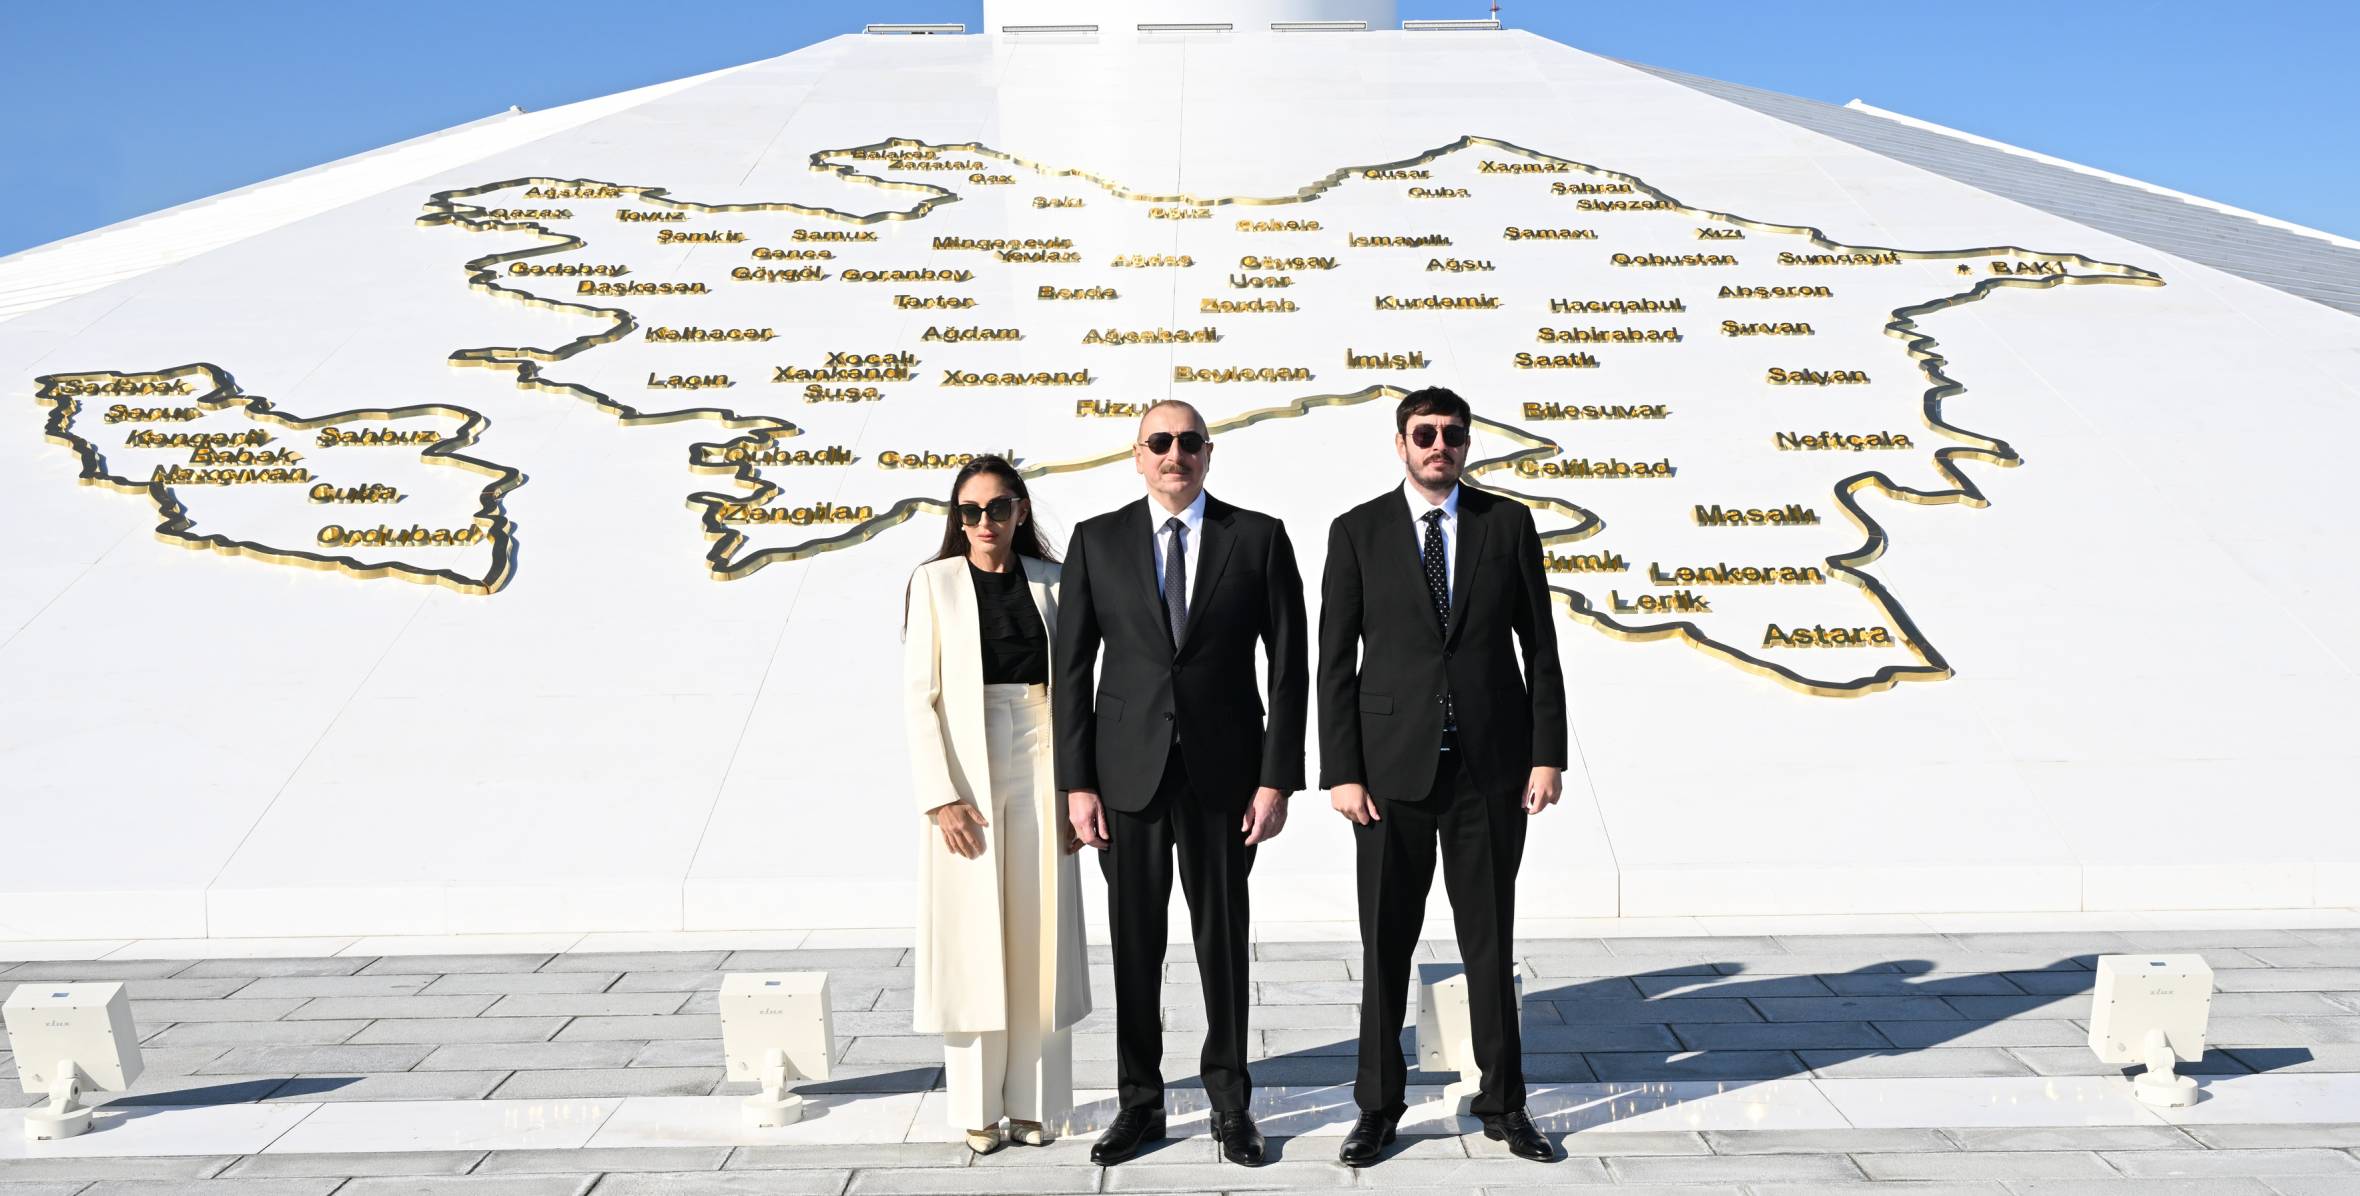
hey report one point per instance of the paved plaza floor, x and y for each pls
(1915, 1059)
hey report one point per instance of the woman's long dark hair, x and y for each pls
(1027, 539)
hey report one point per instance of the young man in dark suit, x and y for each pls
(1165, 750)
(1429, 732)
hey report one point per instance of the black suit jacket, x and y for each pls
(1385, 662)
(1114, 733)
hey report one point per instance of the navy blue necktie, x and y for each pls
(1176, 579)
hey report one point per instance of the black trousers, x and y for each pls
(1481, 840)
(1214, 861)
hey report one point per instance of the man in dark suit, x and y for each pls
(1428, 732)
(1165, 751)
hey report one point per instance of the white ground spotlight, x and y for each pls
(776, 1030)
(2152, 1009)
(1446, 1042)
(70, 1039)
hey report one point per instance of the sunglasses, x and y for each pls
(998, 510)
(1191, 443)
(1454, 435)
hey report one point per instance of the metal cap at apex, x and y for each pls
(1122, 16)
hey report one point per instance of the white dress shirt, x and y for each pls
(1194, 520)
(1419, 504)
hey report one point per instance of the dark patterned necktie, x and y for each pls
(1437, 571)
(1176, 578)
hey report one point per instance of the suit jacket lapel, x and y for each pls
(1467, 550)
(1211, 556)
(1137, 562)
(1396, 520)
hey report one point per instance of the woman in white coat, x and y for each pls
(1002, 970)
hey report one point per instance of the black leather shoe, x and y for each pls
(1241, 1142)
(1369, 1137)
(1132, 1129)
(1516, 1130)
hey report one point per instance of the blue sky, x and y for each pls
(119, 107)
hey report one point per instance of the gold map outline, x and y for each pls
(223, 393)
(444, 208)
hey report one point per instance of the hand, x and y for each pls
(1266, 817)
(962, 828)
(1087, 816)
(1353, 802)
(1543, 790)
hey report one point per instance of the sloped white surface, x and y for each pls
(2155, 677)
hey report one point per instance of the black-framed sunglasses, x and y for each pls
(1191, 443)
(998, 510)
(1454, 435)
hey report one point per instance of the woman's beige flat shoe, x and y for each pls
(1030, 1133)
(984, 1141)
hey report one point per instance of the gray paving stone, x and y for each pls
(2299, 955)
(444, 965)
(2081, 1061)
(587, 1004)
(895, 1048)
(1725, 945)
(1853, 1009)
(1295, 1072)
(1191, 1019)
(69, 970)
(2052, 984)
(1891, 946)
(880, 1154)
(820, 959)
(607, 1160)
(890, 1077)
(164, 1092)
(2204, 1164)
(2036, 1032)
(2282, 1004)
(684, 1052)
(1555, 967)
(725, 1183)
(533, 1056)
(256, 1060)
(1707, 1065)
(225, 1034)
(1271, 970)
(1946, 1063)
(611, 1081)
(178, 988)
(173, 1061)
(1961, 1188)
(1820, 964)
(1678, 987)
(1469, 1174)
(1779, 1036)
(1846, 1141)
(2312, 1185)
(2340, 1135)
(2141, 1187)
(1933, 984)
(214, 1187)
(2306, 1030)
(400, 1085)
(471, 1185)
(333, 986)
(440, 1030)
(385, 1007)
(1597, 1145)
(474, 983)
(656, 981)
(1281, 992)
(2343, 979)
(2072, 1137)
(2059, 942)
(404, 1162)
(629, 961)
(160, 1013)
(1555, 1038)
(974, 1179)
(1749, 1169)
(118, 1167)
(1339, 950)
(1698, 1009)
(323, 965)
(2195, 940)
(1987, 1164)
(1287, 1175)
(56, 1187)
